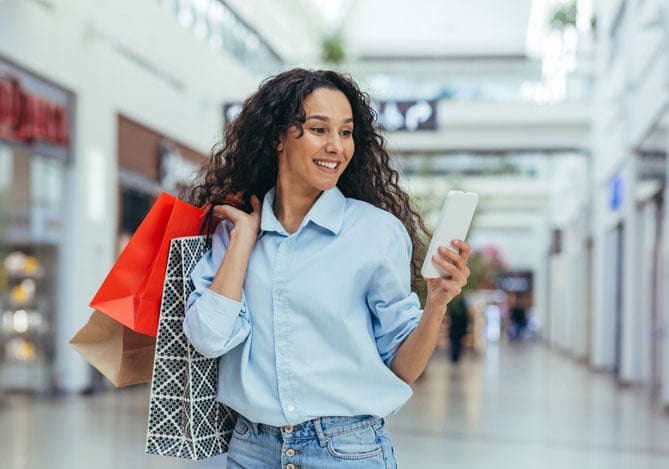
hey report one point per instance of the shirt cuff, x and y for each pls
(218, 312)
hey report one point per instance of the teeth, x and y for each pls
(326, 164)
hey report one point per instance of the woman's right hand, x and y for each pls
(246, 225)
(229, 278)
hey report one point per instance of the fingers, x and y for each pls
(243, 222)
(454, 263)
(234, 202)
(449, 263)
(255, 204)
(226, 211)
(464, 248)
(460, 256)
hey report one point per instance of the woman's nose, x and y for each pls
(334, 144)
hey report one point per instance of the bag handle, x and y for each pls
(209, 223)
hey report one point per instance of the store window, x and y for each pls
(35, 150)
(31, 207)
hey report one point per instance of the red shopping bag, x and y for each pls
(132, 290)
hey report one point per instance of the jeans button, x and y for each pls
(288, 429)
(290, 452)
(291, 466)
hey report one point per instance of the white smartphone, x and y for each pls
(454, 220)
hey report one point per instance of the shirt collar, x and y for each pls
(327, 212)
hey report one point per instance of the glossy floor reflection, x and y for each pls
(516, 407)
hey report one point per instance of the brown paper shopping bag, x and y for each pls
(122, 355)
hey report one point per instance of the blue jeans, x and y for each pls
(321, 443)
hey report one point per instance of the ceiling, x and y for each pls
(406, 29)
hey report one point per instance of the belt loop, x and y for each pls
(254, 427)
(322, 439)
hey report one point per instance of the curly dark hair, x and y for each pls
(246, 160)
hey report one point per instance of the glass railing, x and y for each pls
(214, 22)
(573, 87)
(530, 165)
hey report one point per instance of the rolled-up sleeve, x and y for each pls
(395, 308)
(214, 324)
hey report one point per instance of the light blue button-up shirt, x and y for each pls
(322, 315)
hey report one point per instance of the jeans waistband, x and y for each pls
(320, 427)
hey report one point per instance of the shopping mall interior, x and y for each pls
(555, 112)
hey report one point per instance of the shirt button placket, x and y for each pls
(282, 327)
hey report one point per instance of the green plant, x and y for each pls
(334, 51)
(593, 25)
(564, 15)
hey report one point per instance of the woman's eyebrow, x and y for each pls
(323, 118)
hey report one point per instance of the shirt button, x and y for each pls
(290, 408)
(279, 292)
(290, 452)
(288, 429)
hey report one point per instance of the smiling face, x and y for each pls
(313, 162)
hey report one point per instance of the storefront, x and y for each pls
(35, 151)
(149, 163)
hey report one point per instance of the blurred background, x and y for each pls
(554, 111)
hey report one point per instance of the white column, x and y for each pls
(600, 341)
(664, 276)
(90, 226)
(664, 262)
(541, 277)
(646, 225)
(630, 287)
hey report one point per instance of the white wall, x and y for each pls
(124, 57)
(631, 104)
(568, 211)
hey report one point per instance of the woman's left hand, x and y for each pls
(440, 291)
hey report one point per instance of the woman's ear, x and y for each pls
(279, 144)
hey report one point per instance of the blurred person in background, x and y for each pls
(458, 315)
(306, 293)
(518, 316)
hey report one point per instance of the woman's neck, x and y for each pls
(290, 206)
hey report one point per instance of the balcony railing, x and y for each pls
(214, 22)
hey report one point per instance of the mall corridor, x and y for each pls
(518, 406)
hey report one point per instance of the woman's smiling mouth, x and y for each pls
(327, 164)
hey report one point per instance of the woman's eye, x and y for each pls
(347, 133)
(318, 130)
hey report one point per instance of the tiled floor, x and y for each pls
(516, 407)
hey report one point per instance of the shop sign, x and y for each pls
(407, 115)
(616, 192)
(392, 115)
(516, 281)
(28, 118)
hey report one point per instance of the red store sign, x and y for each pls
(28, 118)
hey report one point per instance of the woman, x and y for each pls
(306, 295)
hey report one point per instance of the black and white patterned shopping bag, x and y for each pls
(185, 419)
